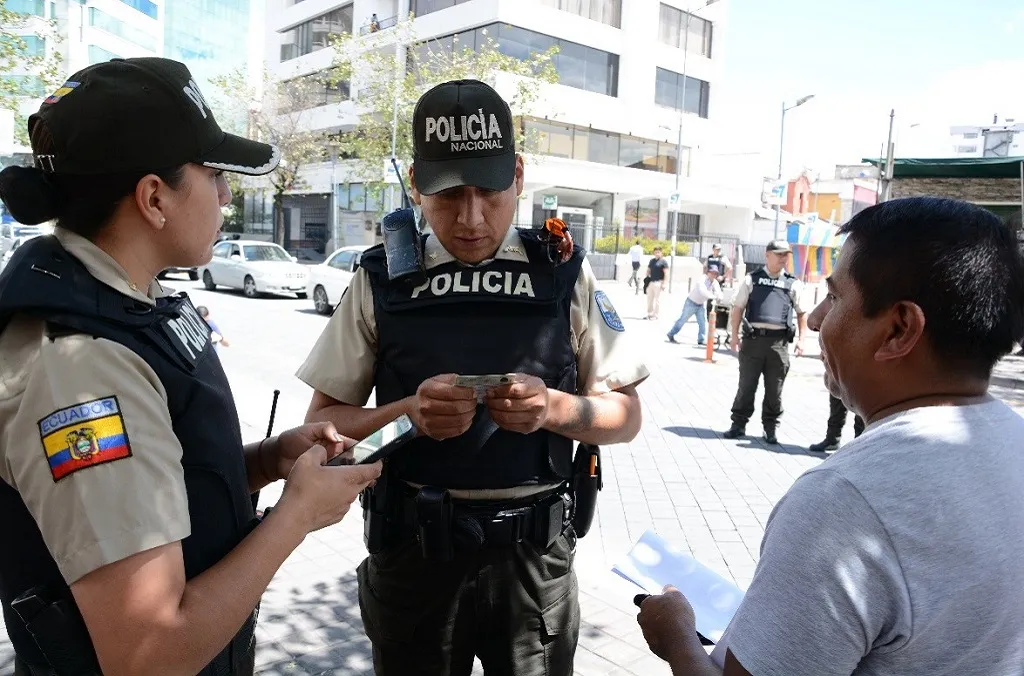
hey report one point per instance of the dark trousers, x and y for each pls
(761, 355)
(837, 419)
(516, 608)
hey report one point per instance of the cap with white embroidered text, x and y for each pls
(141, 114)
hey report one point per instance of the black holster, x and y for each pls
(790, 333)
(586, 482)
(54, 621)
(434, 518)
(380, 526)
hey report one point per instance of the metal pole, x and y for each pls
(889, 150)
(1021, 197)
(782, 136)
(334, 200)
(679, 155)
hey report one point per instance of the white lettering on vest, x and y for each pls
(779, 283)
(180, 332)
(492, 281)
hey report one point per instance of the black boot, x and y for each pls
(735, 432)
(769, 435)
(830, 443)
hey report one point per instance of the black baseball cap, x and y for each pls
(140, 114)
(463, 134)
(778, 246)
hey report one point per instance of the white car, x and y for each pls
(18, 241)
(328, 280)
(255, 267)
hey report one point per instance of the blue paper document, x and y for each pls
(654, 563)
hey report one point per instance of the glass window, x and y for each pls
(343, 260)
(554, 139)
(145, 6)
(668, 91)
(100, 55)
(316, 33)
(34, 7)
(109, 24)
(672, 30)
(34, 45)
(605, 11)
(221, 250)
(342, 196)
(571, 63)
(265, 252)
(357, 197)
(373, 201)
(596, 146)
(423, 7)
(638, 153)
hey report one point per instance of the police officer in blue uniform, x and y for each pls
(128, 541)
(765, 305)
(472, 527)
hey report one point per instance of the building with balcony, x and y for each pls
(609, 132)
(999, 139)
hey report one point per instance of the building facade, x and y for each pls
(609, 130)
(999, 139)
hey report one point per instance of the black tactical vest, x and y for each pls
(770, 302)
(45, 281)
(716, 263)
(502, 317)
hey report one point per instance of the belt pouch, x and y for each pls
(434, 518)
(548, 521)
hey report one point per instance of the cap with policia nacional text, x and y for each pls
(140, 114)
(463, 135)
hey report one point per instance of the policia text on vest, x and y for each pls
(764, 308)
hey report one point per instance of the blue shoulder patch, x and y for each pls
(611, 317)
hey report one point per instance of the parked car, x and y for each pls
(193, 272)
(328, 280)
(18, 241)
(255, 267)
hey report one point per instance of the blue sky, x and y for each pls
(937, 62)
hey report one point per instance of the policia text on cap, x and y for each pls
(470, 527)
(128, 541)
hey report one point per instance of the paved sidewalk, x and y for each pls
(709, 495)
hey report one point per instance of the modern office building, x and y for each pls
(609, 130)
(999, 139)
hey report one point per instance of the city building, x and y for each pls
(609, 130)
(999, 139)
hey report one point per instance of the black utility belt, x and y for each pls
(443, 524)
(765, 333)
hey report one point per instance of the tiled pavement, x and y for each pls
(678, 476)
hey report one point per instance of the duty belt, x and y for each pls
(767, 333)
(494, 523)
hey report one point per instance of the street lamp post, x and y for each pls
(679, 142)
(782, 135)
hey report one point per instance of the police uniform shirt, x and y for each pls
(743, 293)
(92, 509)
(341, 363)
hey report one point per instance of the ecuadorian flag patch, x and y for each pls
(66, 89)
(84, 435)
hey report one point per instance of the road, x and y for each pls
(709, 495)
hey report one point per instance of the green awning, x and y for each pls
(960, 167)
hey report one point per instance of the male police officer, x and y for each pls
(468, 529)
(765, 304)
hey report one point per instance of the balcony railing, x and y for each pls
(379, 25)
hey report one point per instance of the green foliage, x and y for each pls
(277, 118)
(24, 73)
(389, 86)
(606, 244)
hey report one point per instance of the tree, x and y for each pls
(27, 70)
(387, 90)
(279, 116)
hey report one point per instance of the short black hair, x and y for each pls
(958, 262)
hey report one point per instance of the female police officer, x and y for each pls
(125, 478)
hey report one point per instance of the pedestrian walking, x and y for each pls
(129, 542)
(636, 253)
(657, 278)
(765, 304)
(471, 527)
(705, 291)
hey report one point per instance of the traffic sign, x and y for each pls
(550, 202)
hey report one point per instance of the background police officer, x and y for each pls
(834, 431)
(126, 490)
(490, 572)
(764, 305)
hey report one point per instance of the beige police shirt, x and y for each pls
(342, 362)
(743, 294)
(86, 437)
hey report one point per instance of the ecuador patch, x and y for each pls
(611, 317)
(66, 89)
(84, 435)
